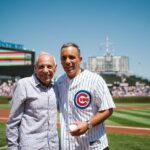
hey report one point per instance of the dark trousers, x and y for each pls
(107, 148)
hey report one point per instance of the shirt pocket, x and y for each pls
(32, 102)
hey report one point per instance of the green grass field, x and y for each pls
(2, 135)
(131, 117)
(116, 141)
(128, 142)
(3, 106)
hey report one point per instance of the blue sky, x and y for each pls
(44, 25)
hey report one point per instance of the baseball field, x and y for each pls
(128, 128)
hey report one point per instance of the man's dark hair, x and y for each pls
(73, 45)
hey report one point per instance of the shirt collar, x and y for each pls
(36, 81)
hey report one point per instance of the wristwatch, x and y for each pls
(89, 124)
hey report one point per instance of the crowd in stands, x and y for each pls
(7, 87)
(121, 89)
(124, 89)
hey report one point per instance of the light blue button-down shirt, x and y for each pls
(32, 121)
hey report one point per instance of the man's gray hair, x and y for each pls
(45, 53)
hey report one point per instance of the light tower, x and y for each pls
(107, 46)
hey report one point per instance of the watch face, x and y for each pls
(89, 125)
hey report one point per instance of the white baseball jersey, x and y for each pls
(79, 99)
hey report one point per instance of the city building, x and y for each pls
(109, 63)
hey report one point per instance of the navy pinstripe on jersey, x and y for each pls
(89, 89)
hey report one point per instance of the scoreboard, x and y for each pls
(13, 57)
(16, 62)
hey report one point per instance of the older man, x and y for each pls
(32, 121)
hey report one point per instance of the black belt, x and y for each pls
(98, 142)
(107, 148)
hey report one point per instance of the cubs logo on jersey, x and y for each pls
(82, 99)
